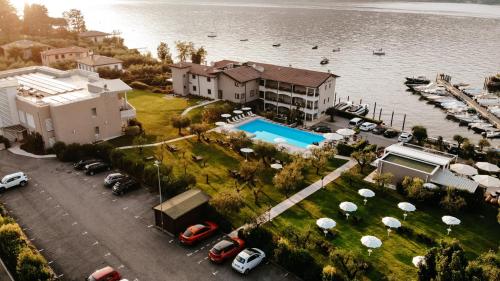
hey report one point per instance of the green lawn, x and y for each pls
(477, 233)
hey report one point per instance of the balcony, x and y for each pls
(127, 112)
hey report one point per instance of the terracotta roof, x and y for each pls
(224, 63)
(24, 44)
(296, 76)
(93, 33)
(72, 49)
(97, 60)
(197, 69)
(243, 73)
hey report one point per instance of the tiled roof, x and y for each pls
(243, 73)
(24, 44)
(72, 49)
(196, 69)
(93, 33)
(449, 179)
(223, 63)
(97, 60)
(183, 203)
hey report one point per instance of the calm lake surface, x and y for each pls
(462, 40)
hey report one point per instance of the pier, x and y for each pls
(444, 80)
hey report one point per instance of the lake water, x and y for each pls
(462, 40)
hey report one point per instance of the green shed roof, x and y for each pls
(183, 203)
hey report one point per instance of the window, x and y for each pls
(252, 93)
(208, 79)
(237, 96)
(94, 111)
(328, 99)
(326, 86)
(236, 84)
(63, 57)
(243, 95)
(96, 130)
(194, 88)
(57, 57)
(193, 76)
(209, 91)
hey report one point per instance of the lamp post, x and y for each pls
(157, 164)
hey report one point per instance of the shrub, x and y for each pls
(5, 141)
(132, 130)
(350, 264)
(58, 148)
(32, 266)
(259, 237)
(424, 238)
(34, 143)
(298, 261)
(11, 243)
(139, 85)
(71, 153)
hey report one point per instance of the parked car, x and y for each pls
(195, 233)
(405, 137)
(367, 126)
(96, 168)
(226, 249)
(80, 165)
(122, 187)
(322, 129)
(105, 274)
(248, 259)
(113, 178)
(355, 122)
(390, 133)
(12, 180)
(379, 130)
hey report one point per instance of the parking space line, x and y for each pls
(114, 200)
(215, 272)
(84, 233)
(189, 254)
(196, 251)
(136, 217)
(200, 261)
(121, 266)
(59, 276)
(65, 214)
(50, 262)
(149, 226)
(41, 250)
(107, 254)
(74, 223)
(171, 241)
(57, 206)
(125, 208)
(50, 198)
(95, 243)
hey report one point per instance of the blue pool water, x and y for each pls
(268, 131)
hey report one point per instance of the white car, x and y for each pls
(405, 137)
(248, 259)
(367, 126)
(15, 179)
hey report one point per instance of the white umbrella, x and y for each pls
(346, 132)
(463, 169)
(220, 123)
(326, 224)
(333, 136)
(449, 220)
(279, 140)
(371, 242)
(237, 111)
(488, 167)
(225, 115)
(430, 185)
(418, 260)
(367, 193)
(348, 207)
(246, 150)
(407, 207)
(487, 181)
(391, 223)
(246, 108)
(277, 166)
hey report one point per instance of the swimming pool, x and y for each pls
(268, 131)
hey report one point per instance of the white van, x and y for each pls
(355, 122)
(12, 180)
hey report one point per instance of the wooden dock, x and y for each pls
(444, 80)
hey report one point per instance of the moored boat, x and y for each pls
(379, 52)
(315, 47)
(324, 61)
(277, 45)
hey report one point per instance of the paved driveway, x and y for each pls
(79, 226)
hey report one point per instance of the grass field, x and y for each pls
(477, 233)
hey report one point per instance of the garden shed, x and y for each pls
(181, 211)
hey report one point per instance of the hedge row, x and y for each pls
(347, 150)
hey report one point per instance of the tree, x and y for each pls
(420, 134)
(15, 53)
(227, 202)
(363, 158)
(459, 139)
(416, 190)
(383, 179)
(329, 273)
(331, 112)
(485, 267)
(319, 158)
(10, 24)
(200, 129)
(198, 55)
(139, 141)
(75, 20)
(444, 262)
(239, 140)
(483, 143)
(452, 201)
(350, 264)
(32, 266)
(184, 49)
(290, 177)
(180, 122)
(265, 150)
(440, 143)
(249, 171)
(164, 54)
(36, 20)
(468, 149)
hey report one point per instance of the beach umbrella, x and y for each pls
(332, 136)
(367, 193)
(246, 108)
(225, 115)
(450, 221)
(346, 132)
(418, 260)
(220, 123)
(246, 150)
(277, 166)
(279, 140)
(391, 222)
(371, 242)
(237, 111)
(406, 207)
(430, 185)
(488, 167)
(487, 181)
(463, 169)
(348, 207)
(326, 224)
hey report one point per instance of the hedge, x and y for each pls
(5, 141)
(347, 150)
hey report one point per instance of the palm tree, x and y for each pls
(483, 143)
(459, 139)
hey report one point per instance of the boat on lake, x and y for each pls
(360, 109)
(342, 106)
(324, 61)
(315, 47)
(379, 52)
(244, 40)
(412, 82)
(277, 45)
(336, 50)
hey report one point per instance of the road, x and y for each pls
(79, 226)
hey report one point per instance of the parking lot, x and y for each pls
(79, 226)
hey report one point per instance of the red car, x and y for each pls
(198, 232)
(105, 274)
(226, 249)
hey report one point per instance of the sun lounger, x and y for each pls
(251, 113)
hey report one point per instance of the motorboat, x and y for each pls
(324, 61)
(277, 45)
(360, 109)
(493, 134)
(244, 40)
(481, 127)
(212, 35)
(342, 106)
(412, 82)
(336, 50)
(315, 47)
(379, 52)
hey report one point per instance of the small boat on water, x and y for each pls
(336, 50)
(324, 61)
(244, 40)
(342, 106)
(412, 82)
(493, 134)
(379, 52)
(277, 45)
(212, 35)
(360, 109)
(315, 47)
